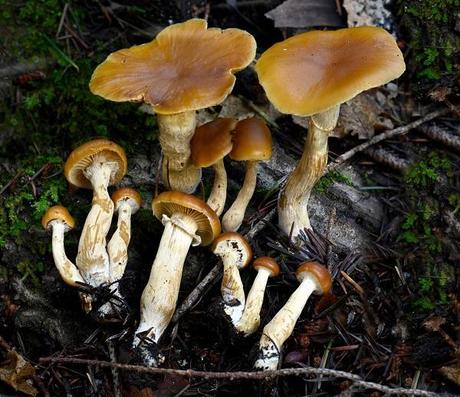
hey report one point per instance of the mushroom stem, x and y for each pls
(232, 289)
(250, 320)
(235, 214)
(293, 199)
(66, 268)
(92, 258)
(218, 194)
(159, 298)
(281, 326)
(118, 244)
(176, 131)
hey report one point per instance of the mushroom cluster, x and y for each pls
(188, 67)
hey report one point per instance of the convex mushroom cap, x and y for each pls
(83, 156)
(60, 213)
(252, 141)
(268, 263)
(129, 195)
(318, 273)
(235, 245)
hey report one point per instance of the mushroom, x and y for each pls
(249, 322)
(96, 165)
(188, 221)
(313, 278)
(210, 144)
(311, 74)
(185, 68)
(127, 202)
(235, 253)
(252, 142)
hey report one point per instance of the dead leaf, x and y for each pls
(451, 373)
(17, 373)
(306, 14)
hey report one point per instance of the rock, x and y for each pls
(368, 13)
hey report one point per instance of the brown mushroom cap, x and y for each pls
(268, 263)
(169, 203)
(320, 274)
(252, 140)
(82, 157)
(212, 141)
(312, 72)
(186, 67)
(58, 212)
(234, 241)
(126, 193)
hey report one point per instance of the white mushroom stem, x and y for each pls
(281, 326)
(66, 268)
(234, 216)
(118, 244)
(293, 199)
(232, 289)
(250, 320)
(218, 194)
(176, 131)
(92, 258)
(159, 298)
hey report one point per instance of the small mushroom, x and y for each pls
(235, 253)
(187, 67)
(252, 142)
(249, 322)
(210, 144)
(188, 221)
(311, 74)
(96, 165)
(127, 202)
(313, 278)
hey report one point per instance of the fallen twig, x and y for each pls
(384, 135)
(254, 375)
(442, 135)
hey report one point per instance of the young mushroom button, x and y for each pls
(188, 221)
(187, 67)
(96, 165)
(252, 142)
(235, 253)
(311, 74)
(314, 278)
(210, 144)
(266, 267)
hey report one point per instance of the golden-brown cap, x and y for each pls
(169, 203)
(232, 241)
(266, 262)
(127, 194)
(83, 155)
(212, 141)
(252, 140)
(311, 72)
(58, 212)
(186, 67)
(318, 273)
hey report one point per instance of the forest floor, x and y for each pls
(386, 221)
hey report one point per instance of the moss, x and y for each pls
(329, 179)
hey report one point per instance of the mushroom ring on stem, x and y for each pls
(313, 278)
(187, 67)
(188, 221)
(235, 253)
(96, 165)
(252, 142)
(311, 74)
(210, 144)
(127, 202)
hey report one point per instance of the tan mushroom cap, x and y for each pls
(82, 157)
(186, 67)
(237, 242)
(58, 212)
(252, 140)
(127, 193)
(212, 141)
(266, 262)
(311, 72)
(319, 273)
(168, 203)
